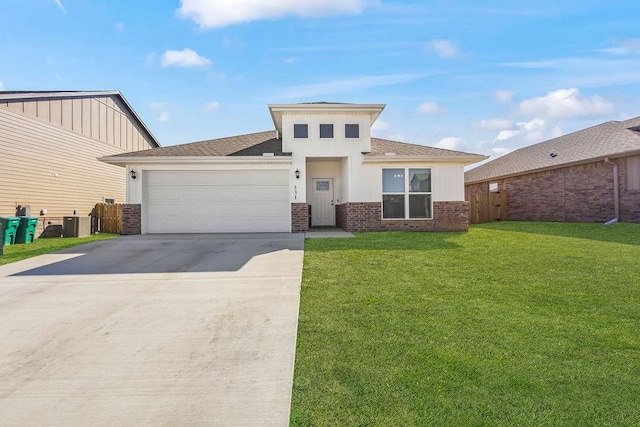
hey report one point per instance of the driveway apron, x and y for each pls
(152, 330)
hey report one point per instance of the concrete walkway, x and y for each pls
(324, 233)
(152, 330)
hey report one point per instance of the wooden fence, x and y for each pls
(488, 207)
(109, 218)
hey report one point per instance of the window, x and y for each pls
(406, 193)
(633, 173)
(301, 131)
(326, 131)
(109, 201)
(351, 131)
(493, 187)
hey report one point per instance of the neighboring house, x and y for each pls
(592, 175)
(50, 142)
(319, 167)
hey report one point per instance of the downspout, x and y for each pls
(616, 192)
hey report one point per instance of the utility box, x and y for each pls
(9, 229)
(27, 229)
(76, 226)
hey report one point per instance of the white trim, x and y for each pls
(409, 159)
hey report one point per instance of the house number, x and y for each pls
(295, 192)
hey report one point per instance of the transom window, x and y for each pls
(326, 131)
(300, 131)
(406, 193)
(352, 131)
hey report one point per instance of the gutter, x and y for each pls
(616, 192)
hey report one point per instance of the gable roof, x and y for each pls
(256, 144)
(610, 139)
(17, 95)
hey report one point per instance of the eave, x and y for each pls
(276, 110)
(466, 160)
(124, 161)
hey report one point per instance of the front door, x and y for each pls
(322, 210)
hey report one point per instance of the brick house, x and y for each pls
(592, 175)
(319, 167)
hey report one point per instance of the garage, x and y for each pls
(216, 201)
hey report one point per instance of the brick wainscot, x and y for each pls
(299, 217)
(131, 219)
(447, 216)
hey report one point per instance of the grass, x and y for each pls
(13, 253)
(510, 324)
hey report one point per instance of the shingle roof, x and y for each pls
(379, 147)
(610, 139)
(255, 144)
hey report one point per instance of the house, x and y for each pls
(50, 142)
(592, 175)
(319, 167)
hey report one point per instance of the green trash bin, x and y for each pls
(9, 229)
(27, 229)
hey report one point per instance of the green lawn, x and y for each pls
(510, 324)
(13, 253)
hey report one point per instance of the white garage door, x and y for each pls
(217, 201)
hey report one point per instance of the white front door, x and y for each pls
(323, 212)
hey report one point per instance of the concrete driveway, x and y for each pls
(152, 330)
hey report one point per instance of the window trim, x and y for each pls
(320, 131)
(406, 194)
(357, 125)
(295, 125)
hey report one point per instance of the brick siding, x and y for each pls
(581, 193)
(131, 219)
(299, 217)
(447, 216)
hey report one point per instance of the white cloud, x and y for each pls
(444, 48)
(183, 58)
(1, 85)
(565, 103)
(211, 106)
(625, 47)
(221, 13)
(163, 117)
(60, 6)
(501, 151)
(449, 143)
(503, 96)
(156, 105)
(380, 125)
(528, 132)
(496, 123)
(431, 107)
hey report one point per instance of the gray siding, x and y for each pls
(103, 118)
(53, 166)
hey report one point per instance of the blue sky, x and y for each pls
(486, 77)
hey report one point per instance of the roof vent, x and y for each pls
(553, 154)
(268, 154)
(389, 154)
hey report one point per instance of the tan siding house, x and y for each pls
(49, 145)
